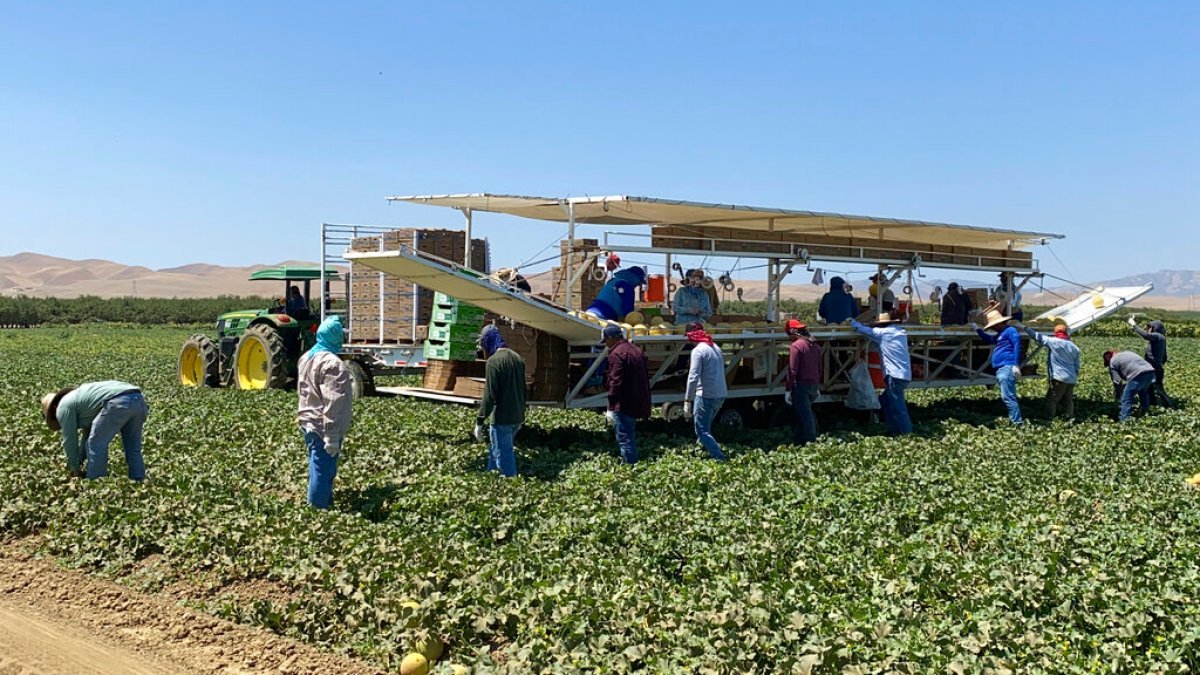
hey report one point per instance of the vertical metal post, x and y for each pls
(570, 261)
(467, 253)
(323, 282)
(667, 299)
(772, 290)
(879, 289)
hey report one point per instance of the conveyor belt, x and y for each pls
(468, 287)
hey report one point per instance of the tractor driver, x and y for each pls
(296, 306)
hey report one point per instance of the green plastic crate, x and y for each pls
(440, 298)
(468, 315)
(454, 332)
(449, 351)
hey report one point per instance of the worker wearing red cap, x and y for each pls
(1063, 361)
(803, 381)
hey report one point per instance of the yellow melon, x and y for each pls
(414, 664)
(634, 318)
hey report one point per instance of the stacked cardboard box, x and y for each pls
(444, 375)
(384, 308)
(587, 287)
(545, 359)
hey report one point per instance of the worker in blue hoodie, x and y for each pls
(617, 297)
(1006, 359)
(837, 305)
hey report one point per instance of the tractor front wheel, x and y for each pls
(199, 363)
(260, 359)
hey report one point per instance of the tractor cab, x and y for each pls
(258, 348)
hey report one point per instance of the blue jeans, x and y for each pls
(702, 418)
(1136, 389)
(500, 453)
(895, 409)
(804, 424)
(322, 467)
(124, 414)
(627, 437)
(1007, 376)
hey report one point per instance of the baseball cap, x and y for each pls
(793, 324)
(611, 331)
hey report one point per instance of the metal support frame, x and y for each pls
(568, 273)
(467, 216)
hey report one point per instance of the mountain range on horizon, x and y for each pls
(40, 275)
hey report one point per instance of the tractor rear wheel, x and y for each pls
(199, 363)
(362, 383)
(260, 359)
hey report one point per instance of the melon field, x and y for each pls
(969, 547)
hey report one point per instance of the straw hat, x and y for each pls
(50, 406)
(994, 317)
(885, 319)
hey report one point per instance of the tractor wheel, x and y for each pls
(362, 383)
(199, 363)
(733, 417)
(673, 412)
(260, 359)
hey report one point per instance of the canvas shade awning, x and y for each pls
(625, 210)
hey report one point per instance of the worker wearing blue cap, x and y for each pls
(628, 384)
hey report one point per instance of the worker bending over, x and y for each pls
(627, 380)
(616, 299)
(1063, 361)
(98, 411)
(803, 381)
(503, 400)
(1132, 378)
(897, 370)
(325, 409)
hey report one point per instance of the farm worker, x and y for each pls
(889, 298)
(803, 380)
(897, 370)
(615, 300)
(692, 303)
(324, 392)
(956, 306)
(837, 305)
(1137, 376)
(1005, 291)
(1062, 369)
(706, 389)
(98, 410)
(503, 400)
(628, 383)
(1006, 357)
(1155, 335)
(296, 306)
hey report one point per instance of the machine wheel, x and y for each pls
(362, 383)
(733, 417)
(672, 412)
(199, 363)
(260, 359)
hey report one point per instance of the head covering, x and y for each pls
(329, 336)
(1108, 356)
(1061, 331)
(695, 333)
(837, 284)
(611, 331)
(885, 319)
(793, 324)
(1158, 327)
(952, 287)
(612, 262)
(634, 275)
(490, 340)
(994, 318)
(50, 406)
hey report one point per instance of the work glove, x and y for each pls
(1132, 322)
(333, 448)
(478, 433)
(687, 409)
(787, 397)
(974, 326)
(610, 417)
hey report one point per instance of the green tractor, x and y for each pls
(257, 348)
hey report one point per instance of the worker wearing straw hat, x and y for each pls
(897, 369)
(100, 410)
(1006, 358)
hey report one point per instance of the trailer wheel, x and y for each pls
(362, 383)
(672, 412)
(733, 417)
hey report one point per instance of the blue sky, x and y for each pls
(163, 133)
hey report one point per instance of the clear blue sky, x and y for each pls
(163, 133)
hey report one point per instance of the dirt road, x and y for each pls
(56, 621)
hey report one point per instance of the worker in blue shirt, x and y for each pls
(616, 299)
(897, 370)
(1006, 358)
(691, 300)
(98, 411)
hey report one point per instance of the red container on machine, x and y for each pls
(656, 288)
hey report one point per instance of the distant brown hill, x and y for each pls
(46, 276)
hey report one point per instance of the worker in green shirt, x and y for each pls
(503, 400)
(100, 410)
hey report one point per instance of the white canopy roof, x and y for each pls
(625, 210)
